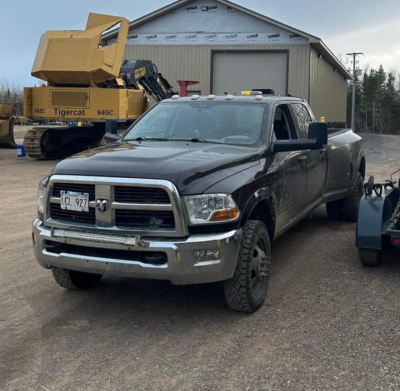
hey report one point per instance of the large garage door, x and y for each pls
(236, 72)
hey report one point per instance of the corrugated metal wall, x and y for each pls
(328, 90)
(194, 63)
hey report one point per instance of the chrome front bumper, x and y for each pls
(180, 267)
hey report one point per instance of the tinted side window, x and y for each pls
(283, 129)
(303, 119)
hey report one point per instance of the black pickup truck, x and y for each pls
(195, 192)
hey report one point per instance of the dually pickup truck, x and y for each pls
(194, 192)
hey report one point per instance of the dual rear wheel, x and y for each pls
(347, 208)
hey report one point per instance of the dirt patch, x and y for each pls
(382, 152)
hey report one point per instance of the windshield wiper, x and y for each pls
(199, 140)
(142, 138)
(195, 140)
(191, 140)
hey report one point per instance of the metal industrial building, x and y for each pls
(229, 48)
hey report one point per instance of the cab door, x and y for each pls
(315, 160)
(290, 184)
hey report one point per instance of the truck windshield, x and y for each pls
(213, 122)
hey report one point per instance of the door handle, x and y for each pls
(302, 159)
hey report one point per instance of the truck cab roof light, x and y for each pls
(211, 97)
(175, 97)
(259, 97)
(248, 93)
(195, 97)
(229, 97)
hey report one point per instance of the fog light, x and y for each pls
(207, 255)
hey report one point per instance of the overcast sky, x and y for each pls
(367, 26)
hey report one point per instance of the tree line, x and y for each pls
(13, 94)
(377, 102)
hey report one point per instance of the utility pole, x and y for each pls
(373, 116)
(353, 100)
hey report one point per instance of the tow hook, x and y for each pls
(141, 243)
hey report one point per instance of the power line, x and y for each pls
(353, 101)
(370, 59)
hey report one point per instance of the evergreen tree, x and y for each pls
(377, 102)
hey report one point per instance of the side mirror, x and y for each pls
(318, 131)
(294, 145)
(111, 138)
(317, 138)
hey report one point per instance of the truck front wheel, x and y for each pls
(70, 279)
(247, 289)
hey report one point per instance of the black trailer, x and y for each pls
(378, 220)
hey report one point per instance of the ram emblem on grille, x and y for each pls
(102, 205)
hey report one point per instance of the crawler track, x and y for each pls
(32, 141)
(59, 143)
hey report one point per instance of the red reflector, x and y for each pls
(396, 241)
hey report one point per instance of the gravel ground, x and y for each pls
(328, 323)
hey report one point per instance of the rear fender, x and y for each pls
(358, 167)
(373, 214)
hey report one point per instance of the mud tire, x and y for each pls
(247, 289)
(352, 202)
(369, 257)
(347, 208)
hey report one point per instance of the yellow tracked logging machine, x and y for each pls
(86, 84)
(8, 113)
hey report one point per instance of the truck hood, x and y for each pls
(192, 167)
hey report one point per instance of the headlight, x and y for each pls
(211, 208)
(41, 191)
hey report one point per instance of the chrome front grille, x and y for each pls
(139, 206)
(74, 217)
(141, 195)
(144, 218)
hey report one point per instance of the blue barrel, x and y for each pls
(21, 151)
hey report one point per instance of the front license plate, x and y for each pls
(78, 202)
